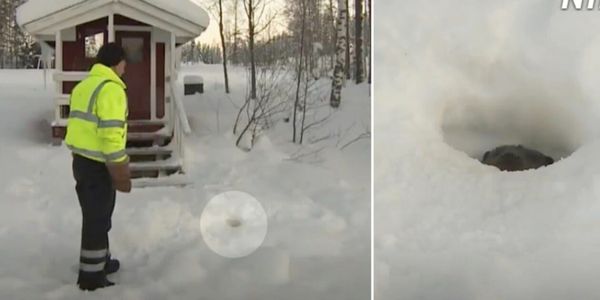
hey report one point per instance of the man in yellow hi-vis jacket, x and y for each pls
(97, 134)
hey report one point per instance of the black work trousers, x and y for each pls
(97, 200)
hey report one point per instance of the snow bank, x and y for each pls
(456, 79)
(523, 71)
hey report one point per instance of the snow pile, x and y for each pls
(317, 244)
(455, 80)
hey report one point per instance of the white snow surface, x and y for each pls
(317, 244)
(457, 78)
(187, 9)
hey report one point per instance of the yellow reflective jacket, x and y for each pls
(97, 125)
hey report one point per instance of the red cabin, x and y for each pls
(150, 31)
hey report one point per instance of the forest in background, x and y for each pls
(277, 35)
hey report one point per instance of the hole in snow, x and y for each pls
(234, 222)
(477, 125)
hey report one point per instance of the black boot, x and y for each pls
(87, 286)
(112, 266)
(89, 282)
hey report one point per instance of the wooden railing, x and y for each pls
(180, 109)
(179, 121)
(69, 76)
(61, 99)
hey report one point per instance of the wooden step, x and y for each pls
(178, 180)
(149, 151)
(148, 128)
(145, 122)
(160, 165)
(63, 99)
(148, 136)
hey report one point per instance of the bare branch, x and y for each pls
(364, 135)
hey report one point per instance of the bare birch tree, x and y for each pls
(300, 66)
(338, 72)
(256, 11)
(236, 32)
(249, 6)
(333, 29)
(369, 38)
(223, 45)
(347, 26)
(358, 55)
(257, 114)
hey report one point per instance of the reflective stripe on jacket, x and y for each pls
(97, 125)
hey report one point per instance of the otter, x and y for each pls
(516, 158)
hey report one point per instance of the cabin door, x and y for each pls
(137, 72)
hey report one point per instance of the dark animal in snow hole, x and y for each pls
(516, 158)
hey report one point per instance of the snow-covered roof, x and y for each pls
(187, 9)
(36, 9)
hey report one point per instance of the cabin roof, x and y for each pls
(188, 10)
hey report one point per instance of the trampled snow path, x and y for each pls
(317, 245)
(453, 79)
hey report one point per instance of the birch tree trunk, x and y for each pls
(333, 22)
(370, 39)
(338, 72)
(347, 26)
(250, 6)
(3, 23)
(223, 47)
(234, 54)
(300, 67)
(358, 58)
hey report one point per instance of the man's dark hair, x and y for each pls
(110, 55)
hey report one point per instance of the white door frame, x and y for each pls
(152, 76)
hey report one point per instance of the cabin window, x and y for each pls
(93, 44)
(134, 49)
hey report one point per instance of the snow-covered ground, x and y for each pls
(457, 78)
(317, 245)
